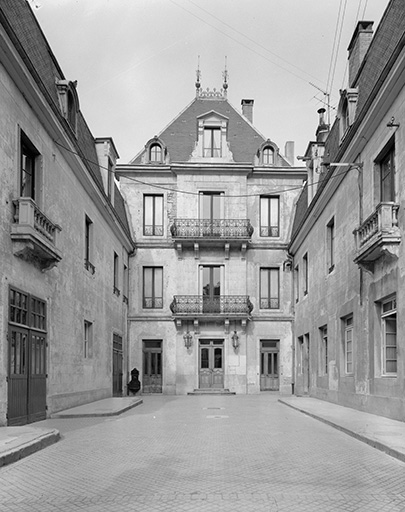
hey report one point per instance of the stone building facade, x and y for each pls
(64, 237)
(347, 242)
(211, 201)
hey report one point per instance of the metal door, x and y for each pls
(152, 367)
(117, 365)
(211, 373)
(269, 365)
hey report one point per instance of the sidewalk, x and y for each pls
(382, 433)
(18, 442)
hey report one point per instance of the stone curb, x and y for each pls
(360, 437)
(29, 447)
(61, 415)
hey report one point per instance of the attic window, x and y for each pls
(268, 156)
(69, 101)
(155, 153)
(212, 141)
(347, 110)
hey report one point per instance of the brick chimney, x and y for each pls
(358, 47)
(247, 109)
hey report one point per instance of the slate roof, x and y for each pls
(180, 135)
(23, 29)
(388, 36)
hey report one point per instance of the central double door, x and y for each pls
(211, 364)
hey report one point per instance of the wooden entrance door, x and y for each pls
(117, 365)
(269, 365)
(26, 400)
(152, 367)
(211, 364)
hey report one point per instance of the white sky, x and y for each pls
(136, 60)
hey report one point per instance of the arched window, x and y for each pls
(155, 153)
(268, 156)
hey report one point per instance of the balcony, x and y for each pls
(211, 233)
(34, 235)
(223, 307)
(378, 235)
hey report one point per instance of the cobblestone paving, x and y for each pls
(204, 453)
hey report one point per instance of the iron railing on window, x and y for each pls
(212, 228)
(217, 305)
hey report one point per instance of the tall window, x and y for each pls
(88, 242)
(88, 339)
(153, 215)
(116, 274)
(269, 216)
(153, 287)
(300, 354)
(305, 273)
(297, 283)
(28, 168)
(212, 142)
(323, 331)
(330, 241)
(155, 153)
(269, 288)
(389, 336)
(387, 176)
(110, 178)
(268, 156)
(125, 284)
(348, 347)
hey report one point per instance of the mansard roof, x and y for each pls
(180, 135)
(25, 33)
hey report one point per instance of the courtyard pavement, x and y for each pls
(212, 453)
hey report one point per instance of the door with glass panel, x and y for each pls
(211, 288)
(152, 367)
(210, 213)
(269, 365)
(211, 373)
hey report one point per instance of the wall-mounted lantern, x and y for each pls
(235, 340)
(188, 339)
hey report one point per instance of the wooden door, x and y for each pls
(269, 365)
(211, 372)
(117, 365)
(26, 398)
(152, 367)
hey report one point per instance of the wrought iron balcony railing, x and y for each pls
(378, 232)
(35, 233)
(223, 229)
(221, 305)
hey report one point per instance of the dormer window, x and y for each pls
(268, 156)
(155, 153)
(212, 142)
(69, 101)
(347, 110)
(212, 138)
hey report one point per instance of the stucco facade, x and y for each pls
(349, 332)
(199, 319)
(59, 229)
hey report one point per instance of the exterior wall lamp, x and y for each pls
(235, 340)
(188, 339)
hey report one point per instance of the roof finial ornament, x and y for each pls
(197, 83)
(225, 77)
